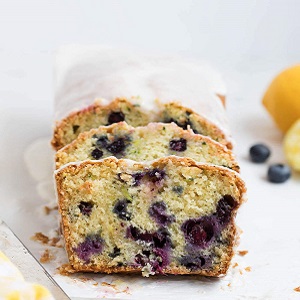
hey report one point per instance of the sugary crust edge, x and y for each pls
(217, 131)
(57, 140)
(123, 125)
(76, 167)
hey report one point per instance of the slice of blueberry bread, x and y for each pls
(96, 115)
(171, 216)
(145, 143)
(133, 113)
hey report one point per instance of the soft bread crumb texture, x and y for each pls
(95, 115)
(188, 190)
(146, 144)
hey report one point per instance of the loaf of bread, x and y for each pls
(169, 216)
(145, 144)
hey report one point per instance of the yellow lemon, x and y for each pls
(282, 98)
(291, 145)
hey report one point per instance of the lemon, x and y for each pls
(282, 98)
(291, 144)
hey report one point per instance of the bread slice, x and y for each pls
(122, 109)
(170, 216)
(145, 143)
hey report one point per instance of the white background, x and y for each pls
(249, 41)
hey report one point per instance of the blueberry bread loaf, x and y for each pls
(127, 110)
(169, 216)
(145, 144)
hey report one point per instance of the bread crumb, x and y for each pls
(66, 270)
(229, 284)
(45, 240)
(95, 284)
(248, 269)
(297, 289)
(235, 265)
(242, 252)
(48, 209)
(46, 257)
(40, 237)
(241, 272)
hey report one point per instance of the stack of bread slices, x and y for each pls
(146, 184)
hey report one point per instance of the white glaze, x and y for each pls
(83, 74)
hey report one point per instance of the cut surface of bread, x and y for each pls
(122, 109)
(145, 144)
(169, 216)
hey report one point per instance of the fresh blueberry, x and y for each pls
(93, 244)
(158, 211)
(85, 207)
(116, 117)
(178, 145)
(279, 173)
(259, 153)
(120, 209)
(224, 208)
(97, 153)
(117, 146)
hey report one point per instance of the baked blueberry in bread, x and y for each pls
(145, 143)
(134, 114)
(169, 216)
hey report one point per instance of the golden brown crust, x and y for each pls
(214, 131)
(176, 161)
(187, 134)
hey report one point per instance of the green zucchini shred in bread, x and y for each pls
(144, 144)
(169, 216)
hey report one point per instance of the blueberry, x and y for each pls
(93, 244)
(85, 207)
(224, 208)
(199, 232)
(120, 209)
(156, 175)
(279, 173)
(102, 141)
(259, 153)
(137, 177)
(193, 262)
(75, 128)
(97, 153)
(115, 253)
(158, 211)
(183, 125)
(161, 238)
(116, 117)
(178, 145)
(178, 189)
(117, 146)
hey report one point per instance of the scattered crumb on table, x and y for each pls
(40, 237)
(242, 252)
(235, 265)
(297, 289)
(46, 257)
(48, 209)
(248, 269)
(45, 240)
